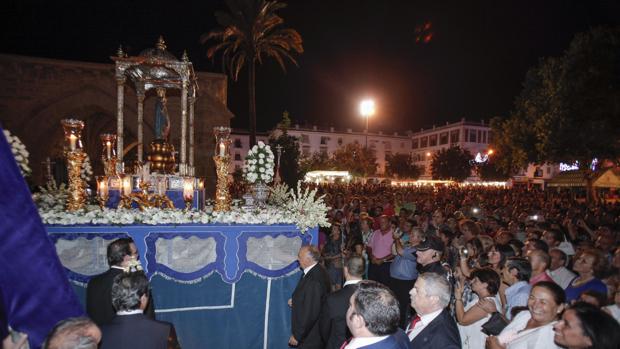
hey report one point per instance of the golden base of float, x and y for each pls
(222, 195)
(76, 199)
(161, 157)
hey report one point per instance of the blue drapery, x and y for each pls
(34, 288)
(209, 306)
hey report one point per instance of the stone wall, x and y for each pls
(36, 93)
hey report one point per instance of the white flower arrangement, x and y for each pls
(87, 170)
(19, 152)
(279, 194)
(301, 208)
(51, 197)
(307, 210)
(259, 164)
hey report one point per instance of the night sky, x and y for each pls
(424, 62)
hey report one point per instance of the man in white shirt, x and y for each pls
(373, 317)
(433, 327)
(557, 270)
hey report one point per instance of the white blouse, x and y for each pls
(515, 337)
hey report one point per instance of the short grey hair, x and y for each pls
(71, 333)
(313, 253)
(128, 289)
(438, 286)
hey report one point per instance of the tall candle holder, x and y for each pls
(108, 153)
(222, 161)
(73, 150)
(102, 191)
(188, 192)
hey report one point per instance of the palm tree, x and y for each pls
(249, 33)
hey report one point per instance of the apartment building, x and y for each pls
(473, 136)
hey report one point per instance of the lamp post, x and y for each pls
(367, 109)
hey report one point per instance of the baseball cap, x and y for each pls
(431, 243)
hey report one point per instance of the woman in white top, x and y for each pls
(533, 328)
(614, 309)
(485, 284)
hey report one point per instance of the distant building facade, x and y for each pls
(421, 145)
(472, 136)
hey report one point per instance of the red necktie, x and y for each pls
(344, 344)
(414, 321)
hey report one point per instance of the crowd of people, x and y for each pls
(467, 268)
(419, 267)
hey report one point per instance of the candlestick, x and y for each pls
(108, 146)
(222, 149)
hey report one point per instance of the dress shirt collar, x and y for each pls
(129, 312)
(351, 282)
(359, 342)
(117, 267)
(425, 320)
(307, 270)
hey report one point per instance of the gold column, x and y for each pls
(222, 195)
(120, 102)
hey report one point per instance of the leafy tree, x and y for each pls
(402, 166)
(251, 31)
(289, 159)
(319, 161)
(489, 171)
(453, 163)
(358, 160)
(569, 108)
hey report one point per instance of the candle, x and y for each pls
(188, 190)
(222, 149)
(103, 189)
(126, 185)
(108, 146)
(72, 141)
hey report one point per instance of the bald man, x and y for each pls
(307, 300)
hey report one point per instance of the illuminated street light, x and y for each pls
(367, 109)
(490, 152)
(428, 154)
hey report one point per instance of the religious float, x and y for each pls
(218, 268)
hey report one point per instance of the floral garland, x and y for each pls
(301, 209)
(19, 152)
(259, 164)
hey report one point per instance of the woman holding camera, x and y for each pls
(485, 284)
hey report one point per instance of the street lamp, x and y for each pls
(367, 109)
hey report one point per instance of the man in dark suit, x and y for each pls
(373, 318)
(98, 292)
(130, 328)
(307, 300)
(333, 322)
(433, 327)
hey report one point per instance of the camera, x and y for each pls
(463, 251)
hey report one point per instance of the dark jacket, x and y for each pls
(307, 301)
(135, 332)
(99, 298)
(333, 323)
(441, 333)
